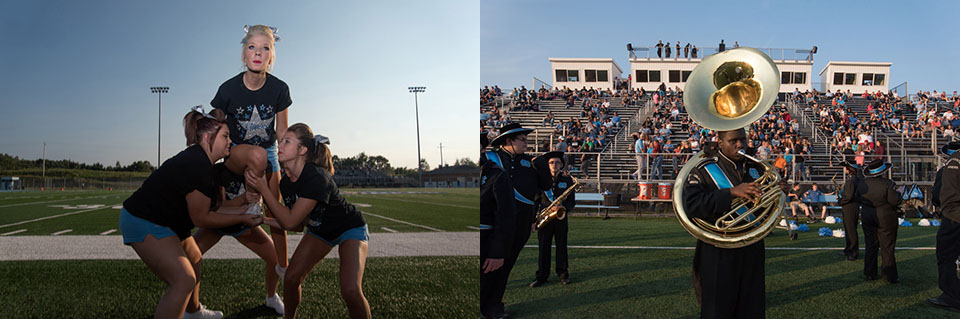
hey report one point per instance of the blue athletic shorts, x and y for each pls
(273, 164)
(235, 230)
(359, 233)
(135, 229)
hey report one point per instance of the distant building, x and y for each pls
(584, 73)
(10, 183)
(452, 176)
(857, 77)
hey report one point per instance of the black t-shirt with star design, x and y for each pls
(251, 115)
(333, 215)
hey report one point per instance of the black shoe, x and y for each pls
(851, 258)
(842, 253)
(942, 304)
(500, 316)
(537, 283)
(564, 281)
(871, 278)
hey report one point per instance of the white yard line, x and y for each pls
(107, 232)
(474, 227)
(388, 229)
(398, 221)
(13, 232)
(426, 202)
(62, 232)
(49, 217)
(54, 201)
(691, 248)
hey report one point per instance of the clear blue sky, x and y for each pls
(81, 73)
(919, 38)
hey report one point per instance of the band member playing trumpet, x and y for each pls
(729, 282)
(555, 228)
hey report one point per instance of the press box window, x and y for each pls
(793, 77)
(568, 76)
(648, 76)
(873, 79)
(596, 75)
(674, 76)
(849, 78)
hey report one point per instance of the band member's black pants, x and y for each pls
(851, 217)
(553, 229)
(948, 249)
(493, 284)
(880, 232)
(730, 282)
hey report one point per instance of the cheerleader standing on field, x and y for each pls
(157, 219)
(256, 104)
(313, 201)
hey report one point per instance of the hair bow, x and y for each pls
(246, 29)
(199, 109)
(320, 139)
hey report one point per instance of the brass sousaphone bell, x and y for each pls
(728, 91)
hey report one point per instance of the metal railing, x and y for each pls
(629, 168)
(779, 54)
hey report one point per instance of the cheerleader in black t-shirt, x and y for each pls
(178, 195)
(236, 200)
(256, 104)
(314, 201)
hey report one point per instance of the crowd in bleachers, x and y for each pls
(854, 132)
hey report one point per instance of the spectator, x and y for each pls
(795, 201)
(660, 49)
(723, 47)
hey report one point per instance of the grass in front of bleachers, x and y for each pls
(412, 210)
(395, 287)
(655, 283)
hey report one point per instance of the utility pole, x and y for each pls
(441, 153)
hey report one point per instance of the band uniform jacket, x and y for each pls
(946, 189)
(878, 195)
(557, 188)
(498, 213)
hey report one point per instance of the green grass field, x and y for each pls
(396, 287)
(441, 209)
(631, 283)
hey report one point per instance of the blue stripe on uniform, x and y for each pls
(549, 193)
(723, 183)
(520, 198)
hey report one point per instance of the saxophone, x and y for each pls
(555, 210)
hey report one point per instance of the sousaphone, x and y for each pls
(728, 91)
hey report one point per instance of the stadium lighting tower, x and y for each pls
(415, 90)
(159, 90)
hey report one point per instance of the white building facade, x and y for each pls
(584, 73)
(858, 77)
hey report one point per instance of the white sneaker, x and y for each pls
(254, 209)
(203, 313)
(275, 303)
(281, 271)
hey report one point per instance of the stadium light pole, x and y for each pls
(159, 90)
(415, 90)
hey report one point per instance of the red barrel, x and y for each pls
(646, 190)
(664, 190)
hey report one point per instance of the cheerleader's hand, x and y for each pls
(251, 197)
(272, 222)
(258, 183)
(252, 220)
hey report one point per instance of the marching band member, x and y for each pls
(946, 196)
(879, 202)
(557, 227)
